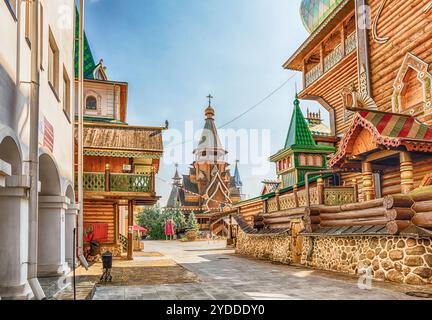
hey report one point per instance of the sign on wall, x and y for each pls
(46, 134)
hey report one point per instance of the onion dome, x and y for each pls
(209, 112)
(314, 12)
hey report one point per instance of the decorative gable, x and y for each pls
(412, 88)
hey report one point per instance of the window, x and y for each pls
(91, 103)
(66, 94)
(53, 64)
(12, 6)
(28, 21)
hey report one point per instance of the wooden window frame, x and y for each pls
(66, 94)
(54, 51)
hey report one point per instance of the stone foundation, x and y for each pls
(395, 259)
(272, 247)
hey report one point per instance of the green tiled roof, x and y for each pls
(89, 63)
(299, 133)
(104, 120)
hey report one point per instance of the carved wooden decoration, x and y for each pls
(376, 37)
(412, 86)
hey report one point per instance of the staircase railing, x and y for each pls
(123, 241)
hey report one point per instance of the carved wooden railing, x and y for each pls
(124, 242)
(130, 183)
(350, 43)
(93, 181)
(312, 75)
(333, 58)
(115, 182)
(336, 196)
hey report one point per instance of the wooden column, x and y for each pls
(116, 223)
(304, 74)
(320, 188)
(355, 186)
(107, 177)
(363, 47)
(322, 57)
(295, 192)
(277, 200)
(130, 229)
(368, 188)
(406, 172)
(343, 38)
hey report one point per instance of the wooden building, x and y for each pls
(209, 187)
(120, 160)
(375, 82)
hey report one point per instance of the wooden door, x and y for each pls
(296, 242)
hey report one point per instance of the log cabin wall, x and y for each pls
(251, 210)
(101, 212)
(329, 88)
(408, 29)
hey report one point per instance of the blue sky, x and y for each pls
(173, 53)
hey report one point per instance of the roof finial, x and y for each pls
(209, 112)
(210, 97)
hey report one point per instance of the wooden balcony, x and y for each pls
(118, 182)
(331, 59)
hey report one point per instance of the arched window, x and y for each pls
(91, 103)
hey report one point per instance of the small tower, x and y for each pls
(173, 200)
(237, 180)
(300, 154)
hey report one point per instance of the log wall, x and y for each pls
(101, 212)
(251, 210)
(409, 30)
(330, 85)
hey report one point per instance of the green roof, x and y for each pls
(299, 133)
(299, 137)
(99, 119)
(89, 63)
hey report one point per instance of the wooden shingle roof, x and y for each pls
(122, 140)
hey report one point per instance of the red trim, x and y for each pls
(383, 123)
(406, 128)
(428, 134)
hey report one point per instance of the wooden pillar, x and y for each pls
(355, 186)
(343, 38)
(153, 181)
(265, 205)
(363, 47)
(116, 223)
(130, 229)
(304, 74)
(107, 177)
(295, 192)
(322, 57)
(320, 188)
(368, 188)
(277, 200)
(406, 172)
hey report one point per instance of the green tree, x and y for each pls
(192, 222)
(154, 221)
(180, 223)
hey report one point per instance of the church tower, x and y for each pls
(209, 187)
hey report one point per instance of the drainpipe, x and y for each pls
(34, 158)
(80, 135)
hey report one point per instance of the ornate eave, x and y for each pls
(295, 62)
(390, 130)
(123, 154)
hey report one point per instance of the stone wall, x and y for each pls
(396, 259)
(272, 247)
